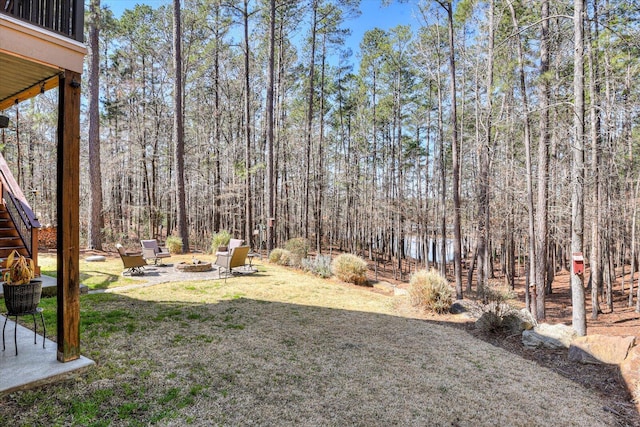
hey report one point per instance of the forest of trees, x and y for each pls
(502, 132)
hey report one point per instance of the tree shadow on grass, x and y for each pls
(244, 361)
(88, 277)
(604, 379)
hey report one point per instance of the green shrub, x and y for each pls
(320, 265)
(280, 256)
(501, 318)
(299, 249)
(498, 317)
(490, 323)
(431, 291)
(350, 268)
(221, 238)
(174, 244)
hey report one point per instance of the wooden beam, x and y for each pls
(68, 195)
(28, 93)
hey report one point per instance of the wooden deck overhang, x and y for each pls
(32, 59)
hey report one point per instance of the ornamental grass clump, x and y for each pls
(350, 268)
(174, 244)
(298, 248)
(280, 256)
(220, 239)
(430, 291)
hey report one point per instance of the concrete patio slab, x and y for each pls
(34, 365)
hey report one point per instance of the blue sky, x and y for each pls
(373, 15)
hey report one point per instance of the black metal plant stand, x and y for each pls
(33, 313)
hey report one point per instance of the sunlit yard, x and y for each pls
(489, 141)
(95, 275)
(107, 274)
(281, 347)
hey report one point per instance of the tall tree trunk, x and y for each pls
(319, 187)
(542, 210)
(96, 219)
(455, 164)
(482, 251)
(609, 258)
(248, 220)
(178, 130)
(633, 241)
(270, 124)
(217, 212)
(443, 179)
(307, 177)
(530, 204)
(579, 321)
(595, 262)
(374, 159)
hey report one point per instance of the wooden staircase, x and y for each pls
(18, 223)
(9, 238)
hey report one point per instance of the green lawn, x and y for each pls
(281, 347)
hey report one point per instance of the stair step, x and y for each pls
(9, 239)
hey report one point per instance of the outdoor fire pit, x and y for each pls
(193, 267)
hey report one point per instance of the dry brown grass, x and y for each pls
(285, 348)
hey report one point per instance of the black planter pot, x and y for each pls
(22, 298)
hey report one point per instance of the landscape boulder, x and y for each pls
(599, 349)
(549, 336)
(519, 321)
(466, 308)
(630, 371)
(458, 307)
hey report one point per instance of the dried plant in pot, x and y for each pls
(21, 292)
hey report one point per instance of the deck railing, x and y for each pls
(65, 17)
(18, 216)
(21, 213)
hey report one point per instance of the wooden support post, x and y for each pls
(68, 195)
(34, 249)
